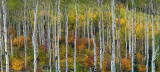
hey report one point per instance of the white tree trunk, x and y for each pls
(1, 41)
(11, 37)
(126, 29)
(103, 32)
(53, 38)
(25, 35)
(153, 39)
(94, 42)
(130, 35)
(99, 23)
(75, 51)
(147, 43)
(113, 67)
(55, 21)
(59, 34)
(145, 34)
(34, 36)
(84, 25)
(66, 26)
(49, 42)
(88, 31)
(5, 33)
(133, 37)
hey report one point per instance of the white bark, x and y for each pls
(11, 44)
(119, 39)
(84, 25)
(59, 34)
(55, 21)
(113, 67)
(25, 35)
(126, 29)
(145, 34)
(94, 42)
(43, 26)
(88, 31)
(1, 41)
(133, 37)
(153, 39)
(5, 33)
(99, 23)
(75, 51)
(66, 26)
(109, 31)
(147, 43)
(34, 36)
(103, 32)
(130, 36)
(53, 38)
(49, 42)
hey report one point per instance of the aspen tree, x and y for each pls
(34, 36)
(5, 33)
(75, 39)
(113, 67)
(1, 40)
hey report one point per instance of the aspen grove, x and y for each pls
(79, 35)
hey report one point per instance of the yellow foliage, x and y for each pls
(122, 21)
(17, 64)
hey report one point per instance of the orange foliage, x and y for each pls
(39, 69)
(43, 48)
(11, 31)
(16, 41)
(141, 68)
(88, 60)
(126, 65)
(139, 57)
(81, 44)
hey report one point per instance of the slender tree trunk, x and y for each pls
(43, 28)
(126, 28)
(59, 34)
(99, 23)
(145, 33)
(5, 33)
(66, 26)
(75, 51)
(113, 67)
(130, 35)
(53, 38)
(94, 42)
(34, 36)
(119, 39)
(88, 31)
(133, 37)
(84, 25)
(153, 39)
(25, 35)
(55, 21)
(19, 30)
(147, 58)
(49, 41)
(103, 32)
(11, 37)
(1, 41)
(109, 26)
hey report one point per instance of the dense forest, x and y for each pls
(79, 35)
